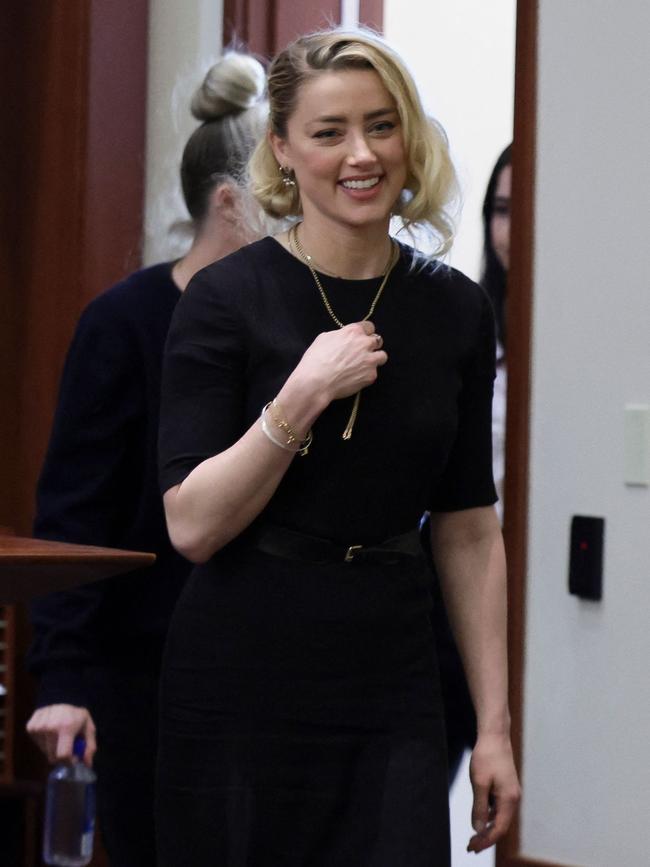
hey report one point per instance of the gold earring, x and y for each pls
(288, 177)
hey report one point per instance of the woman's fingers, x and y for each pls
(54, 728)
(500, 818)
(91, 742)
(367, 326)
(496, 791)
(480, 807)
(376, 341)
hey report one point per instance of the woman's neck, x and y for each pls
(349, 252)
(207, 247)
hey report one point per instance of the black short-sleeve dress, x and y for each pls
(301, 715)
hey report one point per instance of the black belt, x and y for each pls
(292, 545)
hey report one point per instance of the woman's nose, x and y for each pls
(360, 151)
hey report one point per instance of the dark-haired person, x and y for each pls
(496, 237)
(97, 650)
(321, 390)
(496, 261)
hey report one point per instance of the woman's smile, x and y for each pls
(362, 188)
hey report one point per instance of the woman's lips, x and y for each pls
(362, 189)
(360, 183)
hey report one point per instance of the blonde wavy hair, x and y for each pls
(431, 187)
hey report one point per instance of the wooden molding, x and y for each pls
(371, 14)
(519, 317)
(73, 179)
(266, 27)
(250, 23)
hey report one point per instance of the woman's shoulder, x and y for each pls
(141, 295)
(243, 263)
(436, 276)
(131, 306)
(236, 278)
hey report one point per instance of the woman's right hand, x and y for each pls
(341, 363)
(55, 727)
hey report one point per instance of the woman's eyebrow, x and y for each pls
(339, 118)
(379, 113)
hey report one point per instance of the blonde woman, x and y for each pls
(321, 390)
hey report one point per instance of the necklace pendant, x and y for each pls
(347, 433)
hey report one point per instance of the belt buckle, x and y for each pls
(349, 554)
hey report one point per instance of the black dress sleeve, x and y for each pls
(203, 387)
(82, 491)
(467, 480)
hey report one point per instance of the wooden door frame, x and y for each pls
(519, 317)
(263, 25)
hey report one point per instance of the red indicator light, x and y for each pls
(584, 546)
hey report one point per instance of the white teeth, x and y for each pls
(361, 185)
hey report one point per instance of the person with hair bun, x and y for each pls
(96, 650)
(322, 389)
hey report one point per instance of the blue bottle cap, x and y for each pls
(79, 747)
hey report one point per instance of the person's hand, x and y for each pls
(496, 790)
(55, 727)
(342, 362)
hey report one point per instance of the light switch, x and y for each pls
(637, 444)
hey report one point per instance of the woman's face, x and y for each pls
(500, 222)
(344, 143)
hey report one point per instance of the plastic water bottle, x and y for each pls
(70, 812)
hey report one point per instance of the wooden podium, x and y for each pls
(33, 567)
(30, 568)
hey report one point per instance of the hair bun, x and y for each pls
(233, 84)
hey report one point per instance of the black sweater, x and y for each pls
(99, 486)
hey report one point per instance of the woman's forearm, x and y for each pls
(470, 560)
(225, 493)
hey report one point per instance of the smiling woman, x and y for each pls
(384, 86)
(345, 147)
(338, 384)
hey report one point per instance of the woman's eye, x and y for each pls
(326, 133)
(383, 126)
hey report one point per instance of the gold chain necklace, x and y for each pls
(294, 244)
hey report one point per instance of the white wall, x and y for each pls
(184, 39)
(586, 768)
(462, 57)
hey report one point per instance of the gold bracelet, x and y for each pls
(293, 444)
(269, 434)
(282, 423)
